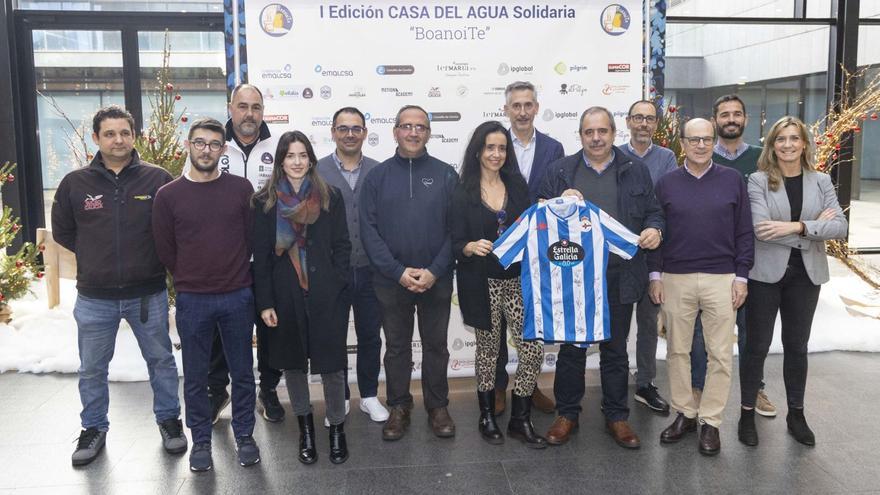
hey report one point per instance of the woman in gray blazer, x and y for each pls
(794, 210)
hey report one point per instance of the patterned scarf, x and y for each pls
(293, 213)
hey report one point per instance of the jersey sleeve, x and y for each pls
(510, 246)
(621, 241)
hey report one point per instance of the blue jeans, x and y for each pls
(97, 322)
(699, 359)
(367, 325)
(198, 317)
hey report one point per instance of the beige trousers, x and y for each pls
(685, 295)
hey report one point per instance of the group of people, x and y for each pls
(322, 237)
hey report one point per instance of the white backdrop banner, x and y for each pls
(453, 58)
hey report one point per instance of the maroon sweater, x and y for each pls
(202, 233)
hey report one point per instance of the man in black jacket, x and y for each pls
(604, 175)
(103, 214)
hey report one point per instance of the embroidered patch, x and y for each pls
(93, 202)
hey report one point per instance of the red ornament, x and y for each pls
(184, 119)
(177, 156)
(837, 147)
(41, 247)
(864, 117)
(653, 90)
(873, 116)
(664, 143)
(2, 297)
(819, 142)
(40, 274)
(834, 156)
(177, 97)
(829, 135)
(857, 130)
(152, 140)
(672, 109)
(18, 263)
(169, 87)
(10, 178)
(15, 227)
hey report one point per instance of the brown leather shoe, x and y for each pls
(500, 401)
(560, 430)
(678, 428)
(622, 434)
(710, 442)
(396, 424)
(441, 422)
(541, 402)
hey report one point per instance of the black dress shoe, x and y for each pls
(520, 425)
(487, 425)
(338, 446)
(746, 430)
(649, 396)
(307, 452)
(678, 428)
(797, 426)
(710, 442)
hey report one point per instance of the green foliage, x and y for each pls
(19, 269)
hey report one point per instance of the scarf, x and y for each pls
(293, 213)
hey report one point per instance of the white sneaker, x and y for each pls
(374, 408)
(347, 409)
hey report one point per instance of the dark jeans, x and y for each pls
(794, 297)
(699, 358)
(198, 318)
(218, 375)
(398, 307)
(568, 385)
(361, 296)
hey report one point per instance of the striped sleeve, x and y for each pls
(620, 240)
(510, 246)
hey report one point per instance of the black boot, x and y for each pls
(338, 447)
(307, 452)
(520, 425)
(488, 427)
(746, 430)
(797, 426)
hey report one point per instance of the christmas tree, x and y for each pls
(19, 269)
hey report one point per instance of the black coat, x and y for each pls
(311, 330)
(470, 275)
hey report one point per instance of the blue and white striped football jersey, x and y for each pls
(565, 243)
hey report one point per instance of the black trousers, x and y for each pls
(218, 374)
(569, 386)
(399, 306)
(794, 297)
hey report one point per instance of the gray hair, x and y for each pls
(519, 86)
(595, 110)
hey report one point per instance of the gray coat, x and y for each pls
(329, 171)
(771, 257)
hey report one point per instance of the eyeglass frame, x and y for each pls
(639, 118)
(418, 128)
(201, 144)
(355, 130)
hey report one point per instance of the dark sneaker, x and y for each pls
(248, 452)
(649, 396)
(200, 457)
(219, 401)
(173, 438)
(270, 408)
(89, 445)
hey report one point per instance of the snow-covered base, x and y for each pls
(39, 340)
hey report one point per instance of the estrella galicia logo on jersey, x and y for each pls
(267, 158)
(565, 253)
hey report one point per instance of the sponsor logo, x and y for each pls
(288, 93)
(434, 92)
(326, 92)
(276, 119)
(562, 68)
(457, 364)
(494, 91)
(614, 89)
(456, 69)
(550, 359)
(282, 73)
(443, 117)
(276, 20)
(373, 139)
(444, 139)
(618, 67)
(615, 19)
(143, 197)
(427, 181)
(572, 89)
(461, 91)
(504, 69)
(565, 253)
(457, 344)
(322, 121)
(379, 120)
(547, 115)
(307, 93)
(498, 113)
(395, 70)
(333, 72)
(396, 92)
(357, 92)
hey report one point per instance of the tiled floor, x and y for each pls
(39, 422)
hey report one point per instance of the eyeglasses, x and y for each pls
(200, 144)
(502, 218)
(355, 130)
(419, 128)
(696, 140)
(639, 118)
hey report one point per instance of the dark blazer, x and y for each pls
(471, 279)
(547, 151)
(637, 209)
(311, 330)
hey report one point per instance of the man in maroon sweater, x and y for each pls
(201, 224)
(703, 264)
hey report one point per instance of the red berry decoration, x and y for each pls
(42, 247)
(864, 117)
(837, 147)
(857, 130)
(2, 297)
(829, 135)
(873, 116)
(152, 140)
(184, 119)
(819, 142)
(672, 109)
(169, 87)
(18, 264)
(177, 97)
(653, 90)
(10, 178)
(15, 227)
(39, 274)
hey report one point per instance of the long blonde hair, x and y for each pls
(768, 164)
(268, 194)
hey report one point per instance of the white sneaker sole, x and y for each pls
(378, 419)
(765, 413)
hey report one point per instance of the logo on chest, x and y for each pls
(565, 253)
(427, 181)
(586, 225)
(93, 202)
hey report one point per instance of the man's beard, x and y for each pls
(203, 168)
(730, 135)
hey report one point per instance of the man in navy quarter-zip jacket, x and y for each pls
(405, 229)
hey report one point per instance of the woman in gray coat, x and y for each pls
(794, 210)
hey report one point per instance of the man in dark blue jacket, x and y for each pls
(621, 186)
(405, 229)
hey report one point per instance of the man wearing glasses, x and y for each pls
(642, 123)
(703, 264)
(405, 230)
(346, 169)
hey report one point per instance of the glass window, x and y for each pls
(746, 8)
(130, 5)
(865, 199)
(869, 8)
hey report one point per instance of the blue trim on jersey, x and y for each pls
(567, 286)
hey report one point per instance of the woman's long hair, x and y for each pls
(471, 168)
(768, 163)
(268, 194)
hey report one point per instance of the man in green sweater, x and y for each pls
(730, 119)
